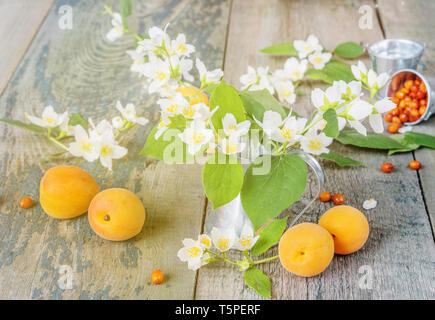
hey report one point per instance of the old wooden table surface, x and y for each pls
(78, 70)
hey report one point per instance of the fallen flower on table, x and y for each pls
(370, 204)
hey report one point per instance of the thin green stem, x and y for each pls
(58, 143)
(265, 260)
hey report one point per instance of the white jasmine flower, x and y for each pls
(286, 91)
(108, 149)
(304, 48)
(370, 204)
(204, 240)
(196, 136)
(66, 127)
(97, 132)
(173, 105)
(223, 240)
(129, 113)
(315, 143)
(158, 38)
(83, 146)
(376, 81)
(163, 125)
(183, 66)
(208, 77)
(231, 145)
(375, 118)
(322, 100)
(205, 112)
(180, 47)
(290, 131)
(50, 118)
(271, 122)
(138, 61)
(192, 253)
(257, 79)
(117, 29)
(294, 70)
(158, 73)
(231, 127)
(318, 59)
(353, 113)
(117, 122)
(349, 90)
(247, 239)
(194, 111)
(359, 71)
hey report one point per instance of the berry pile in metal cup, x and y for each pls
(411, 101)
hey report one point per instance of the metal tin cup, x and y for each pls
(391, 55)
(397, 82)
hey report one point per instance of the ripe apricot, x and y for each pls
(191, 93)
(116, 214)
(66, 191)
(348, 226)
(306, 249)
(157, 276)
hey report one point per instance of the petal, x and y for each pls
(37, 121)
(118, 152)
(358, 126)
(106, 162)
(142, 121)
(75, 149)
(376, 123)
(80, 134)
(384, 105)
(243, 127)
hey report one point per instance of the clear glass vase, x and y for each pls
(232, 215)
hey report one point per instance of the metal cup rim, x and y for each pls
(375, 54)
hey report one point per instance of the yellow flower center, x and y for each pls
(181, 48)
(223, 244)
(86, 145)
(160, 75)
(172, 108)
(315, 144)
(231, 147)
(286, 92)
(308, 48)
(137, 61)
(296, 73)
(232, 127)
(117, 29)
(106, 151)
(287, 133)
(49, 120)
(245, 241)
(206, 242)
(318, 60)
(194, 251)
(197, 137)
(189, 111)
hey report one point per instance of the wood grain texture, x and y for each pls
(78, 70)
(19, 22)
(419, 27)
(400, 250)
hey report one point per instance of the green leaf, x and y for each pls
(259, 101)
(331, 129)
(258, 281)
(168, 147)
(77, 119)
(410, 148)
(267, 191)
(338, 70)
(26, 126)
(286, 49)
(349, 50)
(372, 140)
(342, 161)
(228, 100)
(222, 178)
(421, 139)
(269, 236)
(318, 75)
(125, 8)
(407, 146)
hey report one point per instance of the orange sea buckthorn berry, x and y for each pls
(414, 88)
(393, 127)
(157, 276)
(422, 110)
(414, 164)
(26, 203)
(388, 117)
(408, 84)
(423, 102)
(403, 117)
(420, 95)
(338, 198)
(387, 167)
(396, 119)
(325, 196)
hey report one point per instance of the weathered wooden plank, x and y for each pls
(419, 27)
(19, 21)
(78, 70)
(400, 249)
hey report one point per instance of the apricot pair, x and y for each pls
(307, 248)
(68, 191)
